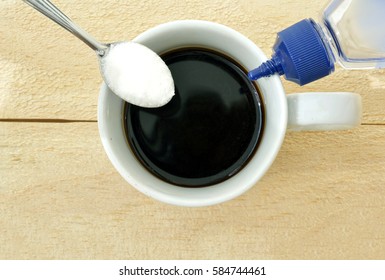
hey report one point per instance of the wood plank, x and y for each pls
(46, 73)
(60, 198)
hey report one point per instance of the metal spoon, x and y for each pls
(145, 97)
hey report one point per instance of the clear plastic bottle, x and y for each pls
(351, 32)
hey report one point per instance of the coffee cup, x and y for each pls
(304, 111)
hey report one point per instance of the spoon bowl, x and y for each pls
(132, 71)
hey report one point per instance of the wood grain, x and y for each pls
(60, 197)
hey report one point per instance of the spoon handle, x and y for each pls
(50, 10)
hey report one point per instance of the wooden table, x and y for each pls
(60, 197)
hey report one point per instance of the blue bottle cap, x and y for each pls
(299, 54)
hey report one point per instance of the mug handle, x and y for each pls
(323, 111)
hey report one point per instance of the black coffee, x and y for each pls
(210, 128)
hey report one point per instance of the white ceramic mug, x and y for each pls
(314, 111)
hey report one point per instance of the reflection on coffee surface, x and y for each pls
(210, 128)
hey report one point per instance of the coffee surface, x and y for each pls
(209, 129)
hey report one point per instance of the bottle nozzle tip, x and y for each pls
(255, 74)
(251, 75)
(266, 69)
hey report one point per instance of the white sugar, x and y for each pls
(137, 75)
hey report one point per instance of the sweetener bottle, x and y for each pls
(351, 32)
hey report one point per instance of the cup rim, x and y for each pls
(277, 126)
